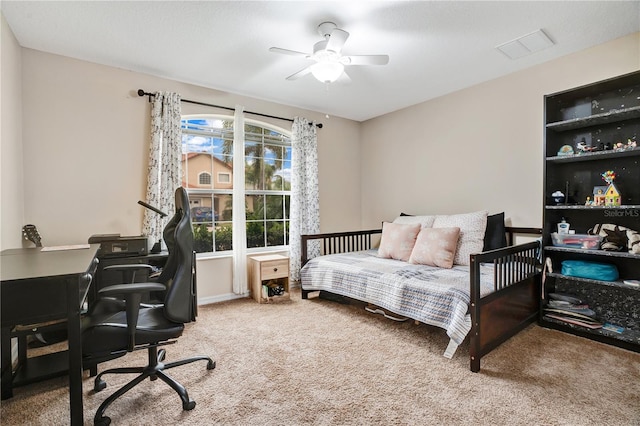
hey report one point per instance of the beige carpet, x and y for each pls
(324, 363)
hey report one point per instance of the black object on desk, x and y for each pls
(39, 286)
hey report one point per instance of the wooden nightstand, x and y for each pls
(269, 278)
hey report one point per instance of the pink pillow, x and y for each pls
(398, 240)
(435, 247)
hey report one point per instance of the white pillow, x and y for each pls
(472, 228)
(397, 240)
(424, 221)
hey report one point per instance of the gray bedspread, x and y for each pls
(431, 295)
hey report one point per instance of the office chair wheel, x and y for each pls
(102, 421)
(211, 365)
(188, 406)
(99, 385)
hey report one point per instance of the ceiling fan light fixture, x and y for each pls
(327, 72)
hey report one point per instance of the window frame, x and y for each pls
(212, 191)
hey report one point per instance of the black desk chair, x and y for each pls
(128, 271)
(109, 334)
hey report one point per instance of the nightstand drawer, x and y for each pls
(274, 269)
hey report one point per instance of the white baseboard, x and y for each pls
(221, 298)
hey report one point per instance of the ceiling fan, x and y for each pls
(329, 62)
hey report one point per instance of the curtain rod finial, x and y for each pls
(140, 92)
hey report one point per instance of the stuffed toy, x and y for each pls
(617, 238)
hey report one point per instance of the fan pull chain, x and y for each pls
(326, 90)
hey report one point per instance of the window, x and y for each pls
(224, 178)
(207, 150)
(204, 178)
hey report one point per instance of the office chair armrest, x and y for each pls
(129, 270)
(133, 288)
(125, 267)
(132, 294)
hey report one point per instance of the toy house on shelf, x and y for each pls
(612, 196)
(598, 195)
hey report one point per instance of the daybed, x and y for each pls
(489, 294)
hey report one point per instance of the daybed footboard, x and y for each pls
(514, 303)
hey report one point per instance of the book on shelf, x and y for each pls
(612, 327)
(575, 321)
(568, 298)
(569, 307)
(571, 310)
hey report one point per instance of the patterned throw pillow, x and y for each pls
(397, 240)
(472, 227)
(424, 221)
(435, 247)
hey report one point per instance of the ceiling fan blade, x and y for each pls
(365, 60)
(337, 39)
(288, 52)
(344, 78)
(299, 74)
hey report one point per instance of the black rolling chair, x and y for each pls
(109, 334)
(129, 271)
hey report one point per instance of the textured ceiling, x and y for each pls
(435, 47)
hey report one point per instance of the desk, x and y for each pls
(40, 286)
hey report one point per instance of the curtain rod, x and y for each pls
(143, 93)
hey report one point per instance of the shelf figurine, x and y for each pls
(611, 194)
(598, 195)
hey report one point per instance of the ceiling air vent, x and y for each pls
(525, 45)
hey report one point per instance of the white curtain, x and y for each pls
(165, 165)
(239, 215)
(305, 201)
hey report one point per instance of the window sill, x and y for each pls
(250, 252)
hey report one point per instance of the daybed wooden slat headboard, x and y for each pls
(340, 242)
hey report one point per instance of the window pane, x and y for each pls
(254, 176)
(201, 208)
(275, 233)
(223, 207)
(224, 236)
(250, 129)
(278, 176)
(255, 234)
(254, 207)
(202, 239)
(274, 207)
(273, 151)
(269, 170)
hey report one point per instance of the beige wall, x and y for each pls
(479, 148)
(85, 134)
(11, 198)
(85, 141)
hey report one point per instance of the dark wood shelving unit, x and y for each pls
(601, 114)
